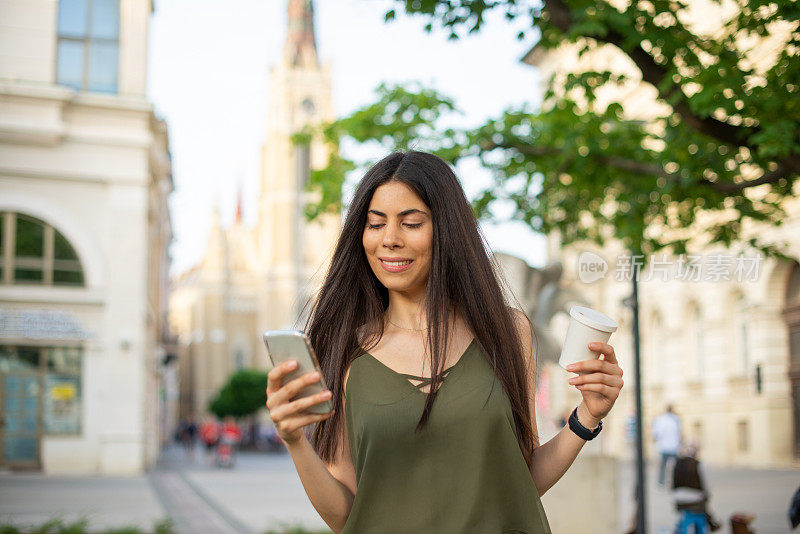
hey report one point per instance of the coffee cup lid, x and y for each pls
(593, 318)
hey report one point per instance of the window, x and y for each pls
(62, 401)
(58, 371)
(696, 340)
(697, 431)
(303, 156)
(88, 45)
(33, 252)
(742, 436)
(741, 339)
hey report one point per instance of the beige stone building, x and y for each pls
(213, 309)
(720, 333)
(84, 229)
(258, 279)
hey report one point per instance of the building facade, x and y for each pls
(720, 341)
(84, 230)
(262, 278)
(214, 311)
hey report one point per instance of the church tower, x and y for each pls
(295, 253)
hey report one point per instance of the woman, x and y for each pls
(411, 312)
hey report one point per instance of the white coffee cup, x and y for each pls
(585, 326)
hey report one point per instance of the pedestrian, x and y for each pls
(230, 429)
(191, 430)
(563, 419)
(230, 436)
(187, 431)
(690, 493)
(794, 510)
(262, 435)
(431, 373)
(667, 435)
(209, 435)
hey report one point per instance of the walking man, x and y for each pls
(667, 435)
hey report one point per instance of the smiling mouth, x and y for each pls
(396, 263)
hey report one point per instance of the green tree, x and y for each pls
(243, 395)
(730, 144)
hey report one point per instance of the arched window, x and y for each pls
(793, 286)
(696, 342)
(33, 252)
(791, 314)
(88, 45)
(741, 334)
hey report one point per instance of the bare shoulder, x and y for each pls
(524, 327)
(523, 324)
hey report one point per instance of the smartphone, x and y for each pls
(284, 345)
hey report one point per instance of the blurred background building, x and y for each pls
(261, 278)
(84, 231)
(724, 350)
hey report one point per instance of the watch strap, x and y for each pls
(580, 430)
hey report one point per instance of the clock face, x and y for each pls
(308, 106)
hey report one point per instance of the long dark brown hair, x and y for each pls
(347, 315)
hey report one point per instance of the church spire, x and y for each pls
(300, 49)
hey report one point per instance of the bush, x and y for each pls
(81, 526)
(243, 395)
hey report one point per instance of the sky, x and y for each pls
(208, 63)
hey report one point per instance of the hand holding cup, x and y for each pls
(600, 380)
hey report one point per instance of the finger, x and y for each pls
(595, 366)
(276, 374)
(298, 422)
(293, 387)
(289, 409)
(604, 390)
(605, 349)
(598, 378)
(287, 390)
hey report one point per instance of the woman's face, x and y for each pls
(398, 237)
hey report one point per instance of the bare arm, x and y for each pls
(330, 490)
(331, 497)
(551, 460)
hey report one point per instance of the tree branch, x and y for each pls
(654, 74)
(783, 170)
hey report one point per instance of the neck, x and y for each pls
(409, 312)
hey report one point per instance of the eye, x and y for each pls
(414, 225)
(373, 226)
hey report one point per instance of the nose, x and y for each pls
(390, 237)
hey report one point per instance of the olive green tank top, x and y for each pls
(464, 473)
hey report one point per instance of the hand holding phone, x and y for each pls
(296, 392)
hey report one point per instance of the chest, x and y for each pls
(384, 407)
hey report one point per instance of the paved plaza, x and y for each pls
(762, 492)
(262, 492)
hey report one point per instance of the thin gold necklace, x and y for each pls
(404, 328)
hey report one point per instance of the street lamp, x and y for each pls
(641, 492)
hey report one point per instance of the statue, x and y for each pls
(541, 297)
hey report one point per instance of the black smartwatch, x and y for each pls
(580, 430)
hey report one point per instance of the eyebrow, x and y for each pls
(401, 214)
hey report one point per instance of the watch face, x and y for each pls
(308, 106)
